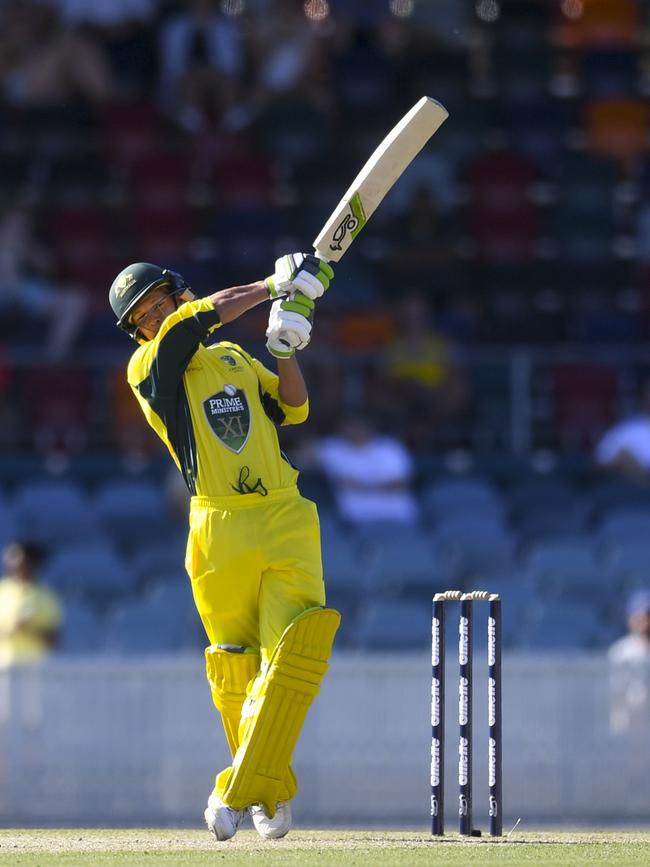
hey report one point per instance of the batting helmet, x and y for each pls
(133, 283)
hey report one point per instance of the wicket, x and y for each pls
(465, 716)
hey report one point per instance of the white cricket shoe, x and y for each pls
(221, 819)
(278, 826)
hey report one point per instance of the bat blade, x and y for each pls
(379, 174)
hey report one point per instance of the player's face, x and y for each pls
(150, 313)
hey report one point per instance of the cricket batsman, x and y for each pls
(253, 550)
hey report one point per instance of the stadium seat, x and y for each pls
(344, 568)
(608, 72)
(158, 560)
(157, 623)
(628, 561)
(90, 571)
(602, 22)
(537, 127)
(403, 562)
(53, 513)
(624, 525)
(534, 525)
(471, 552)
(463, 497)
(558, 628)
(133, 512)
(610, 495)
(618, 128)
(567, 569)
(393, 624)
(56, 404)
(82, 630)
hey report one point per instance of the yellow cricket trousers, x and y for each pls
(255, 565)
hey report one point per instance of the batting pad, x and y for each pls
(229, 669)
(275, 711)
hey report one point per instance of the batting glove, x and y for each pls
(299, 272)
(290, 324)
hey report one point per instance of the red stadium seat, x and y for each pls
(131, 131)
(502, 218)
(585, 402)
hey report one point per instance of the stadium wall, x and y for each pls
(137, 741)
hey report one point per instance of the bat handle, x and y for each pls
(319, 255)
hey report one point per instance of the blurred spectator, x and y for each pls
(625, 448)
(202, 61)
(28, 293)
(124, 28)
(421, 373)
(43, 63)
(285, 48)
(30, 615)
(630, 669)
(370, 474)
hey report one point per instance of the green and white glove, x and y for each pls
(290, 323)
(299, 272)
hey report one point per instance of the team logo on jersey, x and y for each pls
(228, 359)
(229, 417)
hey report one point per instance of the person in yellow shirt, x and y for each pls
(30, 614)
(253, 551)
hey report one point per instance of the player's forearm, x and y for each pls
(291, 384)
(231, 303)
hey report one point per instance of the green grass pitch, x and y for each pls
(152, 847)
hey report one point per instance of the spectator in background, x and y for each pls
(422, 374)
(43, 63)
(202, 59)
(30, 615)
(370, 474)
(629, 659)
(28, 293)
(624, 450)
(124, 29)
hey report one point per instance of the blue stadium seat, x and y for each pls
(165, 558)
(472, 552)
(567, 569)
(536, 522)
(461, 496)
(343, 567)
(403, 562)
(628, 525)
(393, 624)
(53, 513)
(157, 623)
(557, 628)
(90, 570)
(613, 494)
(82, 631)
(549, 492)
(628, 561)
(133, 512)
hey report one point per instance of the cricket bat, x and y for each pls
(400, 147)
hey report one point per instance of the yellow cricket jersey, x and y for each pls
(215, 407)
(28, 612)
